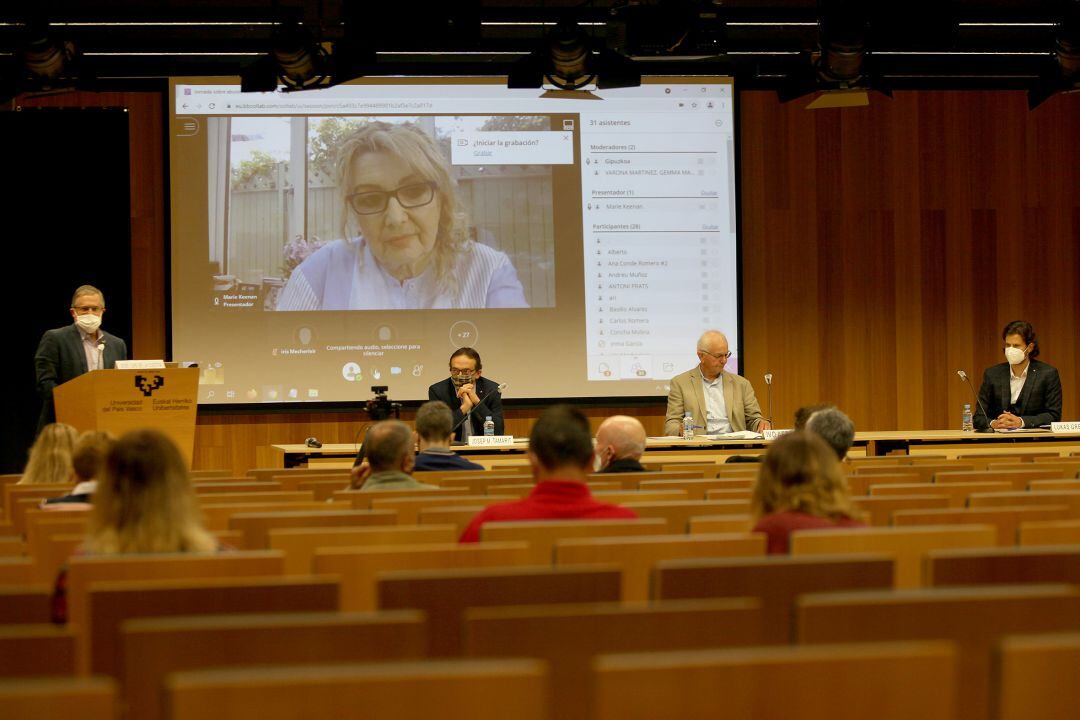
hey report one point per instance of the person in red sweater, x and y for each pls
(801, 486)
(561, 455)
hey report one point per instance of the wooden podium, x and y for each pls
(121, 400)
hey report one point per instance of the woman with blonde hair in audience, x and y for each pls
(87, 461)
(801, 486)
(50, 457)
(144, 503)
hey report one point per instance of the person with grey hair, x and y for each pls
(389, 455)
(434, 432)
(718, 401)
(620, 443)
(835, 428)
(66, 353)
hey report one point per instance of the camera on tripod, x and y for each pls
(380, 407)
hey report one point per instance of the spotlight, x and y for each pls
(568, 61)
(1062, 74)
(295, 60)
(44, 57)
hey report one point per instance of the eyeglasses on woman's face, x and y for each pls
(372, 202)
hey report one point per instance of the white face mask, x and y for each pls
(1015, 356)
(88, 323)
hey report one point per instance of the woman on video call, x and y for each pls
(406, 244)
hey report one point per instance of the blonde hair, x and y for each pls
(412, 145)
(50, 457)
(800, 473)
(144, 501)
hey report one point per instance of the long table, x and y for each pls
(949, 443)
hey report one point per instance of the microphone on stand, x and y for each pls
(964, 376)
(768, 384)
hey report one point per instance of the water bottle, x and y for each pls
(489, 426)
(967, 424)
(688, 427)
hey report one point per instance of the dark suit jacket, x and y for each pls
(1039, 402)
(624, 465)
(490, 404)
(60, 357)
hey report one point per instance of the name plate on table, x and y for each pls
(140, 364)
(491, 441)
(773, 434)
(1072, 426)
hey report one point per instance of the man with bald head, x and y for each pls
(389, 459)
(620, 441)
(720, 402)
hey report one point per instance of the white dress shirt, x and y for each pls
(716, 417)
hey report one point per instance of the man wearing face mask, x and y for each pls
(65, 353)
(1021, 392)
(620, 442)
(468, 393)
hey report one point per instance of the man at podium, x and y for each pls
(66, 353)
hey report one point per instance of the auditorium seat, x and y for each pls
(879, 508)
(1037, 676)
(447, 690)
(720, 524)
(362, 500)
(1019, 479)
(925, 471)
(300, 544)
(541, 535)
(58, 699)
(87, 569)
(637, 556)
(17, 571)
(28, 649)
(25, 604)
(1063, 468)
(694, 488)
(155, 647)
(359, 567)
(883, 681)
(240, 486)
(956, 492)
(1014, 565)
(860, 484)
(110, 604)
(568, 637)
(11, 546)
(445, 594)
(256, 526)
(1070, 498)
(907, 545)
(459, 517)
(408, 508)
(678, 512)
(974, 618)
(777, 580)
(1050, 532)
(1006, 518)
(216, 517)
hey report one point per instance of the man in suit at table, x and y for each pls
(1022, 391)
(66, 353)
(720, 402)
(468, 393)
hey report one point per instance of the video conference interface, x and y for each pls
(328, 241)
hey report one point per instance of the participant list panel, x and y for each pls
(658, 202)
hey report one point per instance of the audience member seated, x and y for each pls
(389, 460)
(561, 456)
(144, 503)
(434, 433)
(835, 428)
(620, 443)
(802, 415)
(800, 486)
(50, 457)
(86, 463)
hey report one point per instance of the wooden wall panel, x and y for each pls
(885, 247)
(147, 158)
